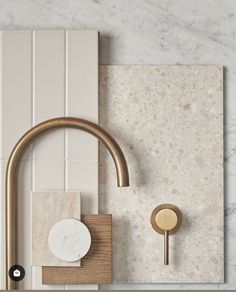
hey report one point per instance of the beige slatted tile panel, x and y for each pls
(52, 73)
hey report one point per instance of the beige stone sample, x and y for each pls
(169, 122)
(49, 208)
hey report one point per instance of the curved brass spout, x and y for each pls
(12, 173)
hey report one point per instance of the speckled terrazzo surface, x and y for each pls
(169, 121)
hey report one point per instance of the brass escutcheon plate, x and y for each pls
(175, 220)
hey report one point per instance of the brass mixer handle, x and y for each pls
(166, 248)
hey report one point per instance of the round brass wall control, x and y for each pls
(166, 219)
(166, 216)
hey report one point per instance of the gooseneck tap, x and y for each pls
(12, 174)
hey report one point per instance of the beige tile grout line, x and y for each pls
(66, 105)
(65, 112)
(33, 154)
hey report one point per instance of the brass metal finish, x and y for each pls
(12, 173)
(170, 207)
(166, 248)
(166, 219)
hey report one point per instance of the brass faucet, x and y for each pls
(12, 174)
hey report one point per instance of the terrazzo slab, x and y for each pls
(48, 208)
(169, 122)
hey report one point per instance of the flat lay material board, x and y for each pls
(167, 119)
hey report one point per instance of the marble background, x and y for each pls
(155, 32)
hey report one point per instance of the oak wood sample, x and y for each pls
(96, 266)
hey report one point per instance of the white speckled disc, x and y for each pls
(69, 240)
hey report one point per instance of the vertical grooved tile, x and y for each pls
(48, 175)
(16, 87)
(48, 102)
(49, 90)
(82, 90)
(82, 101)
(15, 90)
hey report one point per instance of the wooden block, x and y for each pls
(96, 266)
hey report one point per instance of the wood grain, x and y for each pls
(96, 266)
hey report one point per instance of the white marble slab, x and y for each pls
(169, 121)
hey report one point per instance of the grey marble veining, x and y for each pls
(155, 32)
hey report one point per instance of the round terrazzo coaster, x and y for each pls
(69, 240)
